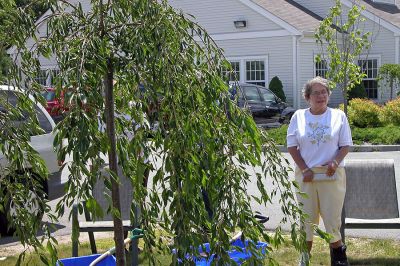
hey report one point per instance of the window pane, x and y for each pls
(251, 93)
(49, 95)
(233, 74)
(53, 77)
(321, 68)
(255, 72)
(374, 73)
(9, 96)
(267, 95)
(370, 68)
(371, 87)
(262, 65)
(42, 77)
(24, 118)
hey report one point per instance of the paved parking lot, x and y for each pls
(63, 227)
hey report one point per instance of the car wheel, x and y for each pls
(33, 204)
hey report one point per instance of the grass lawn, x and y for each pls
(360, 252)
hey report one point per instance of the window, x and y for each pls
(42, 77)
(49, 95)
(370, 68)
(251, 93)
(249, 69)
(255, 72)
(234, 73)
(11, 98)
(321, 68)
(267, 95)
(46, 77)
(53, 75)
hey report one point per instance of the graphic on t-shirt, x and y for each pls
(319, 133)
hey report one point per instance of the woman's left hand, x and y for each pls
(332, 166)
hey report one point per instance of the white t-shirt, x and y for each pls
(318, 137)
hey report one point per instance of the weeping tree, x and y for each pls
(342, 38)
(128, 65)
(390, 74)
(34, 8)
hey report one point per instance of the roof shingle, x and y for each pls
(388, 12)
(305, 20)
(296, 15)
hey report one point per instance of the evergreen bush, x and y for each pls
(275, 85)
(358, 91)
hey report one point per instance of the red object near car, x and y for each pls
(54, 104)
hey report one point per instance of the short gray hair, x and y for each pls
(309, 84)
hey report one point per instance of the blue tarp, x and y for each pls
(238, 253)
(86, 260)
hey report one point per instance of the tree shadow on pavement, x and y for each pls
(7, 240)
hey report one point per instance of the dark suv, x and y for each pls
(266, 108)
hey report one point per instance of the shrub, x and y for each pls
(278, 134)
(275, 85)
(388, 135)
(363, 113)
(391, 112)
(358, 91)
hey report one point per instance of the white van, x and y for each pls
(42, 143)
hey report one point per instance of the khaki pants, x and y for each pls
(325, 199)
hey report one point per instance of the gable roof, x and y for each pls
(304, 20)
(386, 15)
(294, 14)
(387, 12)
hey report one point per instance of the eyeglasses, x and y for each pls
(318, 93)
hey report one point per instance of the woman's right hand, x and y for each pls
(308, 176)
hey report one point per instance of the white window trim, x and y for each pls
(323, 57)
(49, 70)
(234, 61)
(378, 65)
(315, 62)
(242, 67)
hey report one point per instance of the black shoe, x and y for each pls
(338, 256)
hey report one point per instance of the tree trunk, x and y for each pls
(391, 89)
(112, 158)
(345, 95)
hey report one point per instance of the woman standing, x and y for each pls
(319, 138)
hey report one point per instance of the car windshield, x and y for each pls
(49, 95)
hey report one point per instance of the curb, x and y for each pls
(361, 148)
